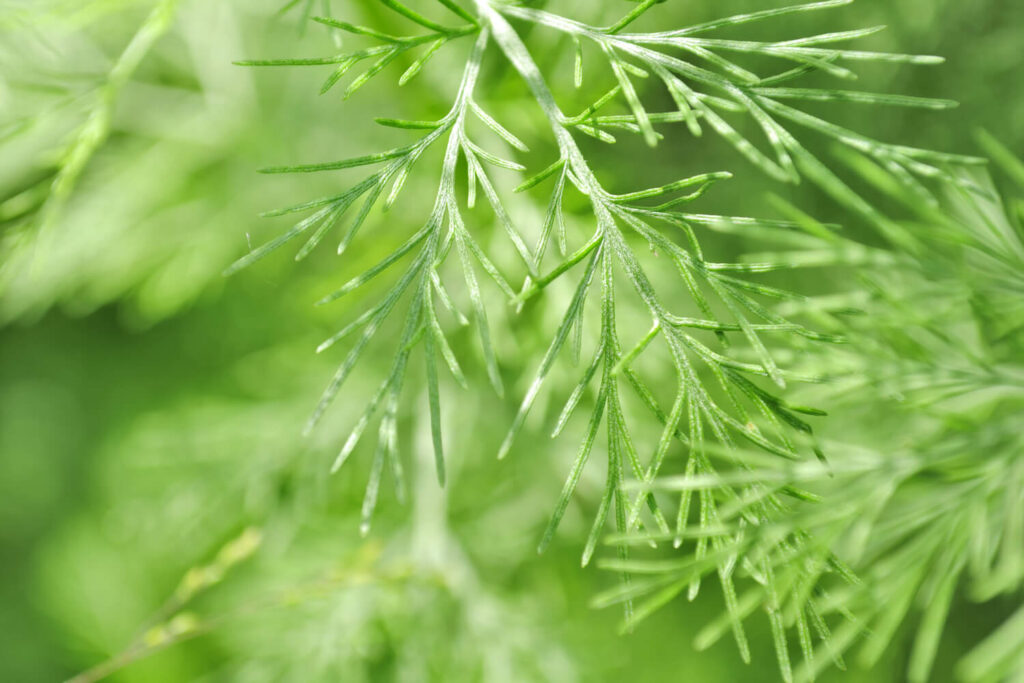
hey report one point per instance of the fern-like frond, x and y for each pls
(939, 339)
(721, 399)
(703, 78)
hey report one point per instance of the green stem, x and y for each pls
(633, 16)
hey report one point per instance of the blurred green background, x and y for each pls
(151, 410)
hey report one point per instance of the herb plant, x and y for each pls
(700, 75)
(698, 376)
(696, 92)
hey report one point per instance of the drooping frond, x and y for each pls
(723, 398)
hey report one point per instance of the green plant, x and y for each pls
(937, 338)
(696, 91)
(685, 355)
(70, 236)
(100, 100)
(629, 56)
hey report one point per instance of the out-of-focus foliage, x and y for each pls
(160, 502)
